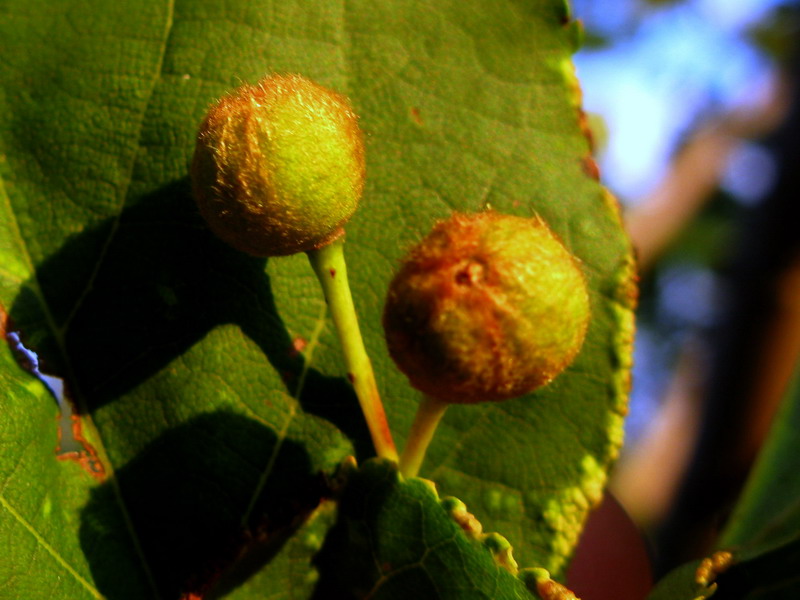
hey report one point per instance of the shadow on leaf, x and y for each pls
(158, 283)
(162, 283)
(185, 495)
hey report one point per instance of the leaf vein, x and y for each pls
(281, 436)
(123, 195)
(42, 543)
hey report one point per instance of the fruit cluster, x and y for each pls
(487, 307)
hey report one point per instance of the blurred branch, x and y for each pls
(667, 442)
(693, 177)
(753, 349)
(712, 425)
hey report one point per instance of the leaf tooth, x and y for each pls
(501, 550)
(464, 519)
(538, 581)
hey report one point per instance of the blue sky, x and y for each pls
(669, 66)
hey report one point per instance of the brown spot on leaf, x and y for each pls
(86, 457)
(298, 345)
(3, 321)
(332, 272)
(590, 167)
(586, 130)
(416, 115)
(351, 378)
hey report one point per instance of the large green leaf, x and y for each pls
(393, 539)
(182, 355)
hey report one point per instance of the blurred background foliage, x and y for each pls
(694, 109)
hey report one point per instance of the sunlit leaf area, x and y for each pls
(396, 299)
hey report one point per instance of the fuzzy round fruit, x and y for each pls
(279, 166)
(487, 307)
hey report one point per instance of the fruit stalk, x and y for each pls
(429, 413)
(329, 265)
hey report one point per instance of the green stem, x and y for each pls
(429, 413)
(329, 265)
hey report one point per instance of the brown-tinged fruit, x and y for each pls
(279, 166)
(487, 307)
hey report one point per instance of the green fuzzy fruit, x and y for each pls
(279, 166)
(487, 307)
